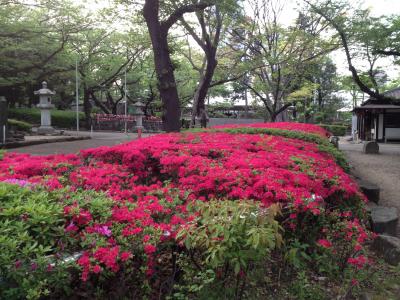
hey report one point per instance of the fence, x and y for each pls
(224, 121)
(117, 123)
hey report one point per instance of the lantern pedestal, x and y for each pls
(45, 118)
(139, 117)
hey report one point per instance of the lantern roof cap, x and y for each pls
(139, 104)
(44, 91)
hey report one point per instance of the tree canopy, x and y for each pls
(179, 54)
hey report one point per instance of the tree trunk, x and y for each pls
(87, 107)
(276, 112)
(163, 66)
(204, 85)
(99, 103)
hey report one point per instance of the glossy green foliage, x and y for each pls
(233, 233)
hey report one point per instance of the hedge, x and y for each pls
(337, 130)
(59, 118)
(20, 125)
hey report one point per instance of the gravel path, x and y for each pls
(382, 169)
(98, 139)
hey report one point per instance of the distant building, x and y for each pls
(378, 120)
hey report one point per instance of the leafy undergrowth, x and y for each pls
(217, 215)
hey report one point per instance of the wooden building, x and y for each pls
(377, 120)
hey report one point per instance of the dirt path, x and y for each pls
(382, 169)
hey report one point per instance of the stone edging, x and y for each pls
(43, 141)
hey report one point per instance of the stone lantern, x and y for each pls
(3, 119)
(139, 114)
(45, 106)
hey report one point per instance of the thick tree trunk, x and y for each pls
(64, 100)
(163, 65)
(276, 112)
(99, 103)
(204, 85)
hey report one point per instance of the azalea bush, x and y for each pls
(144, 216)
(231, 234)
(290, 126)
(36, 248)
(226, 240)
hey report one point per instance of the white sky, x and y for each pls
(378, 8)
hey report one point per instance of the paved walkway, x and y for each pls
(98, 139)
(382, 169)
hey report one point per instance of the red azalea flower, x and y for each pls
(96, 269)
(149, 249)
(125, 256)
(17, 264)
(324, 243)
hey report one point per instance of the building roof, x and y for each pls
(394, 94)
(377, 106)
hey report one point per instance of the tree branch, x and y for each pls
(387, 52)
(180, 11)
(352, 69)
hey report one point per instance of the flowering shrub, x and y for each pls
(153, 183)
(34, 238)
(292, 126)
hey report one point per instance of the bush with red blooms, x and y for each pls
(300, 127)
(153, 180)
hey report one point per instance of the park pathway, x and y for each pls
(382, 169)
(98, 139)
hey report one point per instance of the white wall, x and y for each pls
(392, 133)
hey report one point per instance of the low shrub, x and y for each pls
(323, 143)
(35, 251)
(59, 118)
(226, 239)
(289, 126)
(188, 216)
(336, 130)
(20, 125)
